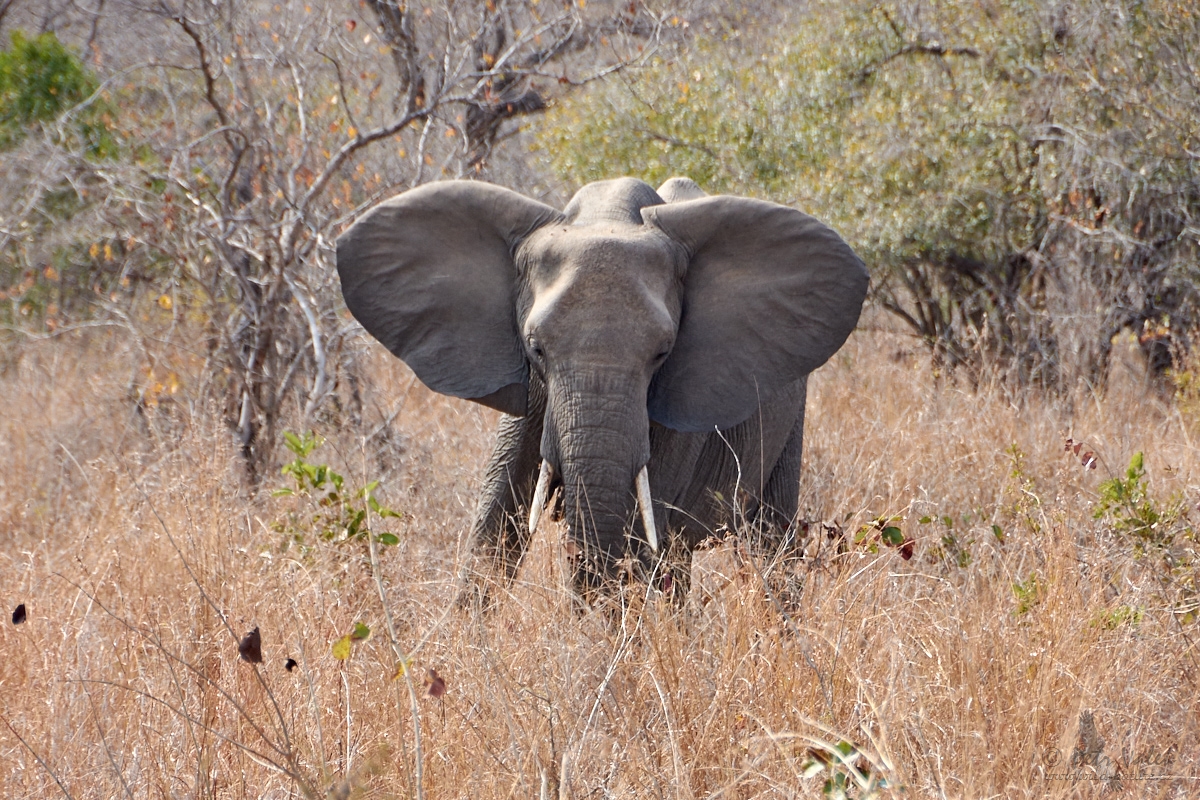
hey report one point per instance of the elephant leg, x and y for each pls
(776, 541)
(775, 517)
(500, 530)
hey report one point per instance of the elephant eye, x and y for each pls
(536, 349)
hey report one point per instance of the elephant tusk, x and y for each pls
(644, 502)
(540, 495)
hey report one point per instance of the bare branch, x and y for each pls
(932, 49)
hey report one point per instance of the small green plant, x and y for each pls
(1156, 529)
(851, 773)
(339, 516)
(1128, 507)
(1028, 593)
(951, 548)
(882, 530)
(1120, 616)
(1026, 504)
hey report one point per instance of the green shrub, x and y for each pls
(1158, 531)
(1018, 177)
(40, 80)
(1129, 508)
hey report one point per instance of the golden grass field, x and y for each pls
(142, 558)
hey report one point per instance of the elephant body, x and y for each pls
(704, 484)
(638, 334)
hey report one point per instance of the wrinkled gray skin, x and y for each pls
(668, 329)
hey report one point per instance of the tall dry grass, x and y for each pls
(142, 558)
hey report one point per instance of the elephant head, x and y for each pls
(622, 311)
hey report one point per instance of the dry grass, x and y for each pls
(124, 681)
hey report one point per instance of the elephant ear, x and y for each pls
(770, 294)
(430, 274)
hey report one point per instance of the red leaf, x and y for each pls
(435, 683)
(250, 647)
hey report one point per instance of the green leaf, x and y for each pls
(389, 539)
(360, 633)
(283, 492)
(893, 536)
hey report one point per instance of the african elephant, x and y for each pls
(649, 349)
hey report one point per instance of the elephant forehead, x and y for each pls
(607, 251)
(598, 277)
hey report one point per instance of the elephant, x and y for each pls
(649, 351)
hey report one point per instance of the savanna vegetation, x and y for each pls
(1022, 176)
(231, 526)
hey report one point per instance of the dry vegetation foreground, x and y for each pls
(968, 670)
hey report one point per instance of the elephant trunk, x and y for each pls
(598, 440)
(645, 501)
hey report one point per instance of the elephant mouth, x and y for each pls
(642, 489)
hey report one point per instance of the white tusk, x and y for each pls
(539, 495)
(644, 502)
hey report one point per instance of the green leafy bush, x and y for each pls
(1020, 177)
(40, 80)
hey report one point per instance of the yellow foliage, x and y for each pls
(341, 648)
